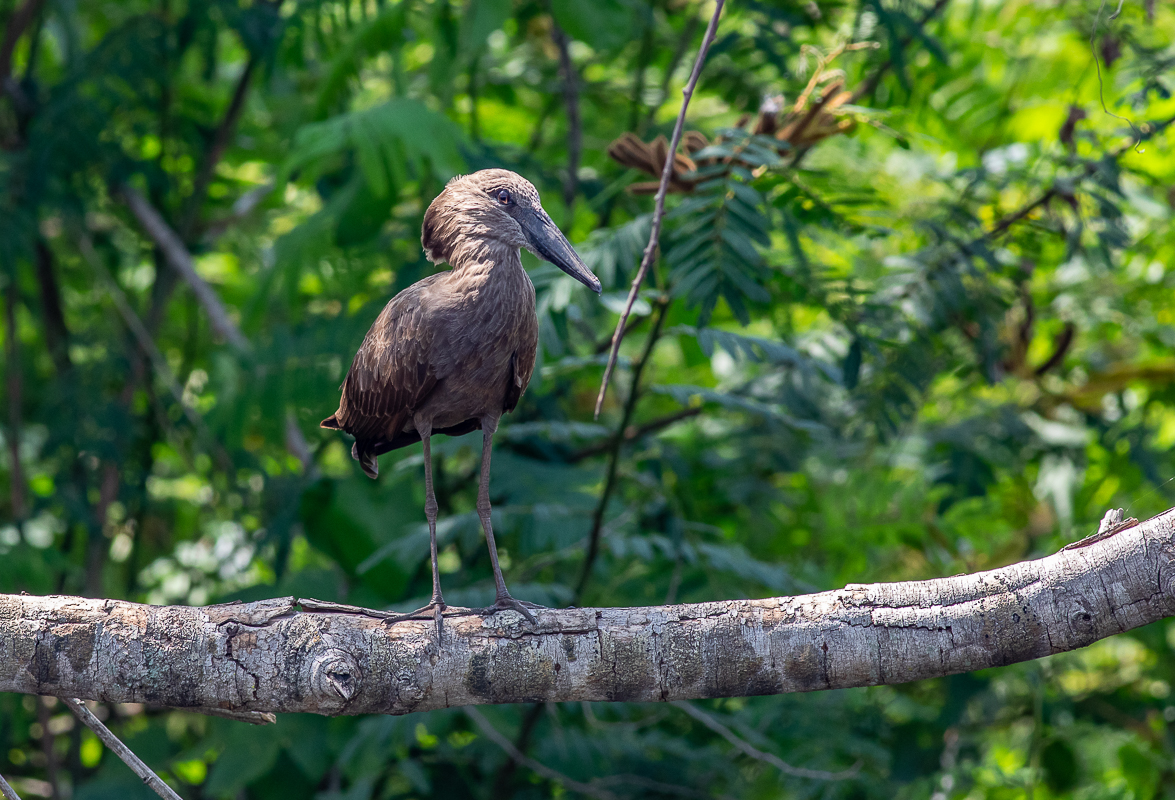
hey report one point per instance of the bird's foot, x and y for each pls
(507, 603)
(434, 610)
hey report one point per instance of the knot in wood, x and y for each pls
(335, 678)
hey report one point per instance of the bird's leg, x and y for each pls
(504, 600)
(437, 605)
(430, 512)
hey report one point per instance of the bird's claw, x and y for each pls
(437, 607)
(508, 603)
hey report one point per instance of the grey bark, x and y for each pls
(278, 656)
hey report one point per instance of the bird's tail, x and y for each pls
(367, 460)
(365, 457)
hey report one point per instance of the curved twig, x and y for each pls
(659, 203)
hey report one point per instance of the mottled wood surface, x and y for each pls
(274, 656)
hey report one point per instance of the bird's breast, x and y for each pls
(487, 329)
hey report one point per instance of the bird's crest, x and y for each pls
(468, 211)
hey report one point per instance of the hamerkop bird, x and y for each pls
(453, 352)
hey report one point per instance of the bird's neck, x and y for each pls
(486, 258)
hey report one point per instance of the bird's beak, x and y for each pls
(548, 243)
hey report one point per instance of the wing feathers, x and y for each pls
(391, 375)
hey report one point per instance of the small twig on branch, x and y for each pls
(491, 733)
(180, 259)
(7, 791)
(1021, 213)
(659, 203)
(251, 717)
(243, 207)
(633, 432)
(121, 750)
(746, 748)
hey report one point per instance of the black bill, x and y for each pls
(548, 243)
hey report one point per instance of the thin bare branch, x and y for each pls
(614, 446)
(220, 142)
(574, 126)
(180, 259)
(139, 331)
(659, 203)
(632, 432)
(15, 395)
(506, 774)
(869, 84)
(298, 446)
(243, 207)
(7, 791)
(746, 748)
(491, 733)
(53, 315)
(1148, 131)
(121, 750)
(17, 23)
(47, 740)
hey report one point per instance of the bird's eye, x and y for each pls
(504, 197)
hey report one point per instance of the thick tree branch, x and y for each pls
(273, 657)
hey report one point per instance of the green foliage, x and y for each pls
(929, 332)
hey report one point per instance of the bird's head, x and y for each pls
(497, 206)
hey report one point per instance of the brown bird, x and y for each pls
(454, 352)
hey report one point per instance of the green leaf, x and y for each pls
(249, 752)
(603, 24)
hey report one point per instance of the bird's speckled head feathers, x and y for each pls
(470, 208)
(485, 216)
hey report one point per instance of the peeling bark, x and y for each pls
(283, 656)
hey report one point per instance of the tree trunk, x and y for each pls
(289, 655)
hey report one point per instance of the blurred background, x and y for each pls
(914, 317)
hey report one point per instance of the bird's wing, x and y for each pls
(393, 371)
(521, 367)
